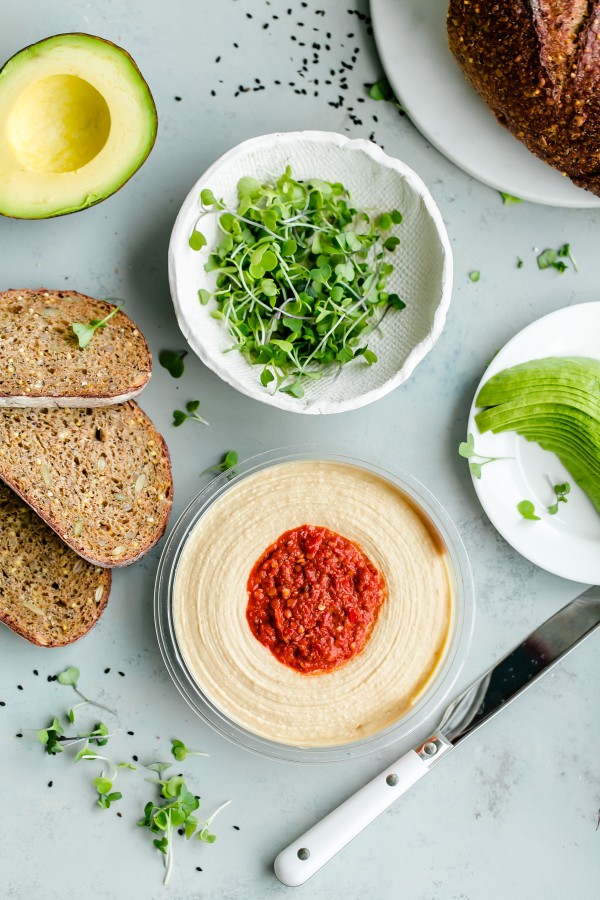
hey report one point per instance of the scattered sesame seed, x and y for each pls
(50, 783)
(106, 671)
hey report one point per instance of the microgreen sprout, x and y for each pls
(560, 492)
(180, 751)
(527, 510)
(54, 740)
(179, 416)
(176, 812)
(70, 677)
(86, 331)
(554, 259)
(301, 277)
(467, 450)
(229, 460)
(508, 199)
(172, 361)
(382, 90)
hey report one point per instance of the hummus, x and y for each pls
(375, 688)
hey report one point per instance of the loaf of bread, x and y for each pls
(536, 63)
(48, 594)
(101, 478)
(42, 363)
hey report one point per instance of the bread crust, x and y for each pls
(536, 64)
(43, 365)
(48, 594)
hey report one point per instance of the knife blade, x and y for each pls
(490, 693)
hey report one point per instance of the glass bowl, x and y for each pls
(426, 705)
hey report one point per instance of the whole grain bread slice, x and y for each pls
(48, 594)
(42, 364)
(101, 478)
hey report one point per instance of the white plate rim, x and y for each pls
(551, 190)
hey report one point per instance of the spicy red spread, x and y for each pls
(313, 597)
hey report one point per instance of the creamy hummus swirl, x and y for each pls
(240, 676)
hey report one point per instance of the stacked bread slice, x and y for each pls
(79, 453)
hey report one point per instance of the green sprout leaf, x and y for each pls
(527, 510)
(70, 676)
(554, 259)
(180, 751)
(172, 361)
(228, 462)
(197, 240)
(508, 199)
(86, 331)
(179, 416)
(466, 449)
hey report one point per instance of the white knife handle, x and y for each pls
(299, 862)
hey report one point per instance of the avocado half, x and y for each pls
(77, 120)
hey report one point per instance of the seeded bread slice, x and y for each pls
(42, 364)
(101, 478)
(48, 594)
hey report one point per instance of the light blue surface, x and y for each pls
(513, 812)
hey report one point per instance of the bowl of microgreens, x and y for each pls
(310, 271)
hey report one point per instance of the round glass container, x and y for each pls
(426, 704)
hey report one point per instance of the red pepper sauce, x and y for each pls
(313, 598)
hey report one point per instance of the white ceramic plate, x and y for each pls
(568, 543)
(412, 43)
(422, 275)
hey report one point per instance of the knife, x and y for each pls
(476, 705)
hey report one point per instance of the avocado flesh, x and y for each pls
(554, 402)
(77, 120)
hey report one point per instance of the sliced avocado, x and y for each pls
(554, 402)
(575, 371)
(76, 121)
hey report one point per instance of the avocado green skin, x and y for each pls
(90, 199)
(554, 402)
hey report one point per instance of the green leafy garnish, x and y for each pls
(179, 417)
(554, 259)
(560, 491)
(50, 737)
(176, 811)
(70, 678)
(301, 277)
(467, 450)
(172, 361)
(228, 462)
(508, 199)
(382, 90)
(475, 276)
(86, 331)
(54, 740)
(106, 794)
(197, 240)
(520, 263)
(180, 751)
(527, 510)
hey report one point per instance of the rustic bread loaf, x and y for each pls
(101, 478)
(48, 594)
(537, 66)
(42, 364)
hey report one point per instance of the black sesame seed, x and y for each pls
(134, 758)
(213, 93)
(122, 674)
(50, 783)
(198, 868)
(130, 732)
(237, 827)
(236, 46)
(180, 831)
(106, 671)
(218, 59)
(266, 25)
(178, 99)
(20, 687)
(35, 672)
(120, 815)
(2, 703)
(19, 734)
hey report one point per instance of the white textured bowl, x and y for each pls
(377, 183)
